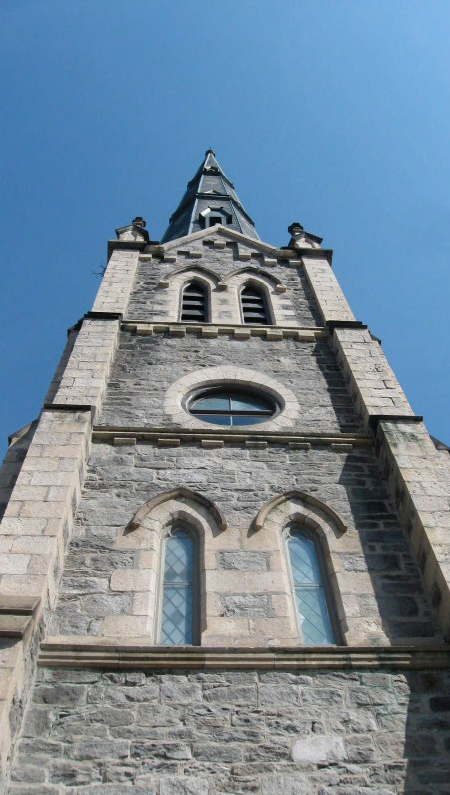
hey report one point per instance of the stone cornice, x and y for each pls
(82, 652)
(294, 254)
(173, 437)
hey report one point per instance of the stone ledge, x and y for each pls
(82, 652)
(15, 626)
(206, 330)
(68, 407)
(169, 437)
(375, 419)
(332, 324)
(16, 615)
(99, 315)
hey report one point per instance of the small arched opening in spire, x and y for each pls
(254, 305)
(195, 302)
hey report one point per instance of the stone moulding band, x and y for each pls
(123, 436)
(176, 328)
(76, 653)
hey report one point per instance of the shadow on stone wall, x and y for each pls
(398, 609)
(12, 463)
(308, 732)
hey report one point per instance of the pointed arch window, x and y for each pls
(194, 303)
(310, 592)
(179, 612)
(254, 306)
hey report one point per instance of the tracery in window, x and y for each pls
(194, 303)
(310, 592)
(254, 306)
(179, 589)
(228, 406)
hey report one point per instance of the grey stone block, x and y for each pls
(243, 561)
(184, 785)
(246, 604)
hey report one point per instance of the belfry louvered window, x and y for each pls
(194, 303)
(309, 588)
(179, 592)
(254, 306)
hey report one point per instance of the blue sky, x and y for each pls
(334, 114)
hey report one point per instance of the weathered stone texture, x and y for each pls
(84, 378)
(419, 476)
(212, 733)
(117, 282)
(326, 290)
(372, 382)
(150, 302)
(145, 367)
(374, 570)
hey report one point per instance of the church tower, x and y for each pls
(225, 544)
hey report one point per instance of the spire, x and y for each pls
(210, 199)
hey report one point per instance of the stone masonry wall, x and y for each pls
(151, 302)
(310, 732)
(145, 367)
(103, 588)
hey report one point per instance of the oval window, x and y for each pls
(232, 407)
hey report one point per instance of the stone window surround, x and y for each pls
(146, 534)
(318, 519)
(229, 376)
(148, 529)
(226, 293)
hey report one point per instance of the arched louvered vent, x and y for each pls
(254, 307)
(194, 304)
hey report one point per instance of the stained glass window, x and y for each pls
(310, 596)
(177, 615)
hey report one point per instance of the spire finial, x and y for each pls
(210, 152)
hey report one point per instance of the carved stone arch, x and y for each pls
(183, 495)
(141, 583)
(260, 276)
(313, 507)
(200, 271)
(320, 520)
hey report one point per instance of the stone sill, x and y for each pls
(83, 652)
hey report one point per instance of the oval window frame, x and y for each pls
(235, 389)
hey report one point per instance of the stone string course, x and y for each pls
(232, 733)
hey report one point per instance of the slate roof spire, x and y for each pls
(209, 198)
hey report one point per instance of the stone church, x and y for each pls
(225, 541)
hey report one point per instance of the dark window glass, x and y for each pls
(310, 596)
(254, 308)
(177, 619)
(232, 408)
(215, 219)
(194, 304)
